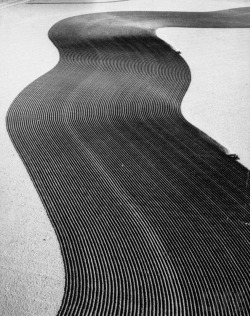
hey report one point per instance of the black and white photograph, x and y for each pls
(125, 158)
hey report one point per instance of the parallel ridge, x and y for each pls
(151, 215)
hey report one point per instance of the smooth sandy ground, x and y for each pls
(218, 99)
(31, 268)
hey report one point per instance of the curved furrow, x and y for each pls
(103, 58)
(151, 215)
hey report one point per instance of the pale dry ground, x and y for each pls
(32, 275)
(31, 267)
(218, 99)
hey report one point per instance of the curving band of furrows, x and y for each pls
(150, 213)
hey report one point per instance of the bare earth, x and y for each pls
(32, 274)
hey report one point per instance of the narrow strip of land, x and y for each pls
(150, 213)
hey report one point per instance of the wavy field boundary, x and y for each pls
(151, 215)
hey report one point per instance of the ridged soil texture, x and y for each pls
(150, 213)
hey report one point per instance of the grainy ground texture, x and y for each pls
(149, 213)
(219, 89)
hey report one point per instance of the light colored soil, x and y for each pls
(31, 268)
(217, 101)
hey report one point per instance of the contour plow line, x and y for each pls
(150, 213)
